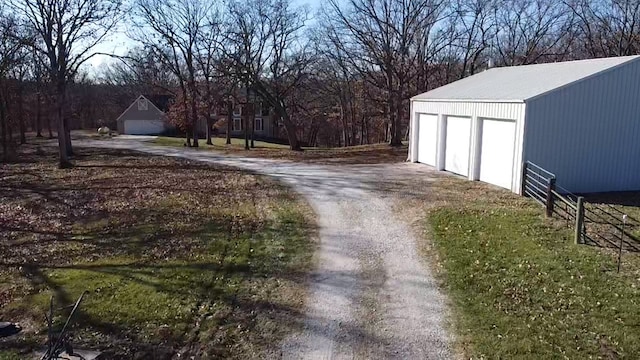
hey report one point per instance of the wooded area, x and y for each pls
(338, 76)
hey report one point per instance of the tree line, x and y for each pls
(339, 75)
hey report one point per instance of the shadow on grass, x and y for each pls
(169, 269)
(362, 154)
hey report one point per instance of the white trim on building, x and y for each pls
(579, 120)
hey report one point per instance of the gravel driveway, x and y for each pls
(371, 296)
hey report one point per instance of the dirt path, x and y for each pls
(371, 295)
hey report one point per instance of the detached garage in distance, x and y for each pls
(579, 120)
(144, 117)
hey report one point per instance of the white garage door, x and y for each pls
(496, 158)
(427, 138)
(458, 140)
(143, 127)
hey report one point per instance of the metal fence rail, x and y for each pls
(565, 207)
(536, 182)
(603, 229)
(594, 224)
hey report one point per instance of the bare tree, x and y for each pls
(12, 50)
(18, 76)
(210, 66)
(138, 72)
(531, 31)
(38, 74)
(607, 27)
(382, 36)
(67, 32)
(473, 23)
(268, 53)
(336, 79)
(173, 29)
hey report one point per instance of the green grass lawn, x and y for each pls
(519, 287)
(362, 154)
(218, 143)
(177, 257)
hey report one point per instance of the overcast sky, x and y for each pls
(119, 43)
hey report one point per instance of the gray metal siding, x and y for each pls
(132, 113)
(588, 133)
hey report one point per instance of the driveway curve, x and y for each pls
(371, 295)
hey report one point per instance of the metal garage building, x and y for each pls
(579, 120)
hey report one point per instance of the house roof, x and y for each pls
(521, 83)
(166, 104)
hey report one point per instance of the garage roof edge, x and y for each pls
(135, 102)
(510, 101)
(524, 82)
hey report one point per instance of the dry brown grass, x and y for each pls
(364, 154)
(178, 257)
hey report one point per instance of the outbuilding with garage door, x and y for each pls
(579, 120)
(144, 116)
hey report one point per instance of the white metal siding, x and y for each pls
(497, 152)
(428, 134)
(475, 111)
(588, 133)
(458, 144)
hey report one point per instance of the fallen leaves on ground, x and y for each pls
(178, 257)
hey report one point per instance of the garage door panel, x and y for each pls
(458, 141)
(497, 152)
(143, 127)
(427, 138)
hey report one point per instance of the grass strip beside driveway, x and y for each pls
(361, 154)
(521, 289)
(178, 257)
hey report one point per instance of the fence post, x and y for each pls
(624, 222)
(579, 219)
(523, 181)
(550, 188)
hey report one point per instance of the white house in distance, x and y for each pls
(147, 116)
(579, 120)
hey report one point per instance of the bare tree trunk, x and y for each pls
(291, 133)
(67, 135)
(343, 122)
(209, 125)
(62, 132)
(253, 124)
(21, 124)
(194, 126)
(365, 125)
(229, 121)
(188, 135)
(247, 112)
(38, 116)
(195, 134)
(49, 126)
(362, 131)
(394, 126)
(345, 140)
(3, 128)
